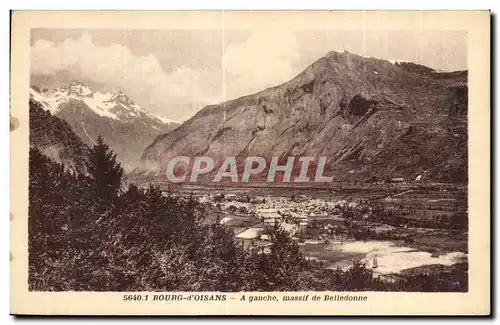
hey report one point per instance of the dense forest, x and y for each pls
(89, 232)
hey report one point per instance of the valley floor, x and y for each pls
(395, 230)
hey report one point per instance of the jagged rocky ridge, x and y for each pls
(55, 138)
(373, 119)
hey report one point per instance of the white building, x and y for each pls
(269, 216)
(250, 233)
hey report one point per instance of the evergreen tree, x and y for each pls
(105, 172)
(358, 278)
(285, 261)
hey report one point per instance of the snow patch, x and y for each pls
(86, 133)
(394, 61)
(164, 120)
(48, 103)
(111, 105)
(100, 108)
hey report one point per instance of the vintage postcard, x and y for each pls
(250, 163)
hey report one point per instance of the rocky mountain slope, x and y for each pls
(123, 124)
(373, 119)
(55, 138)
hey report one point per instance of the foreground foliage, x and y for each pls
(87, 233)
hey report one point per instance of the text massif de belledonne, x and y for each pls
(177, 172)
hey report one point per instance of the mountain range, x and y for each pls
(124, 125)
(374, 119)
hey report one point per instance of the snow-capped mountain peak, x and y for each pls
(125, 126)
(77, 89)
(122, 98)
(117, 106)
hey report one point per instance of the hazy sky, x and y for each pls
(175, 73)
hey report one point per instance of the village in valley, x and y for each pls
(392, 228)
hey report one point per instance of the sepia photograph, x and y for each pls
(188, 164)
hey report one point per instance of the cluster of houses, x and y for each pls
(271, 216)
(300, 216)
(292, 216)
